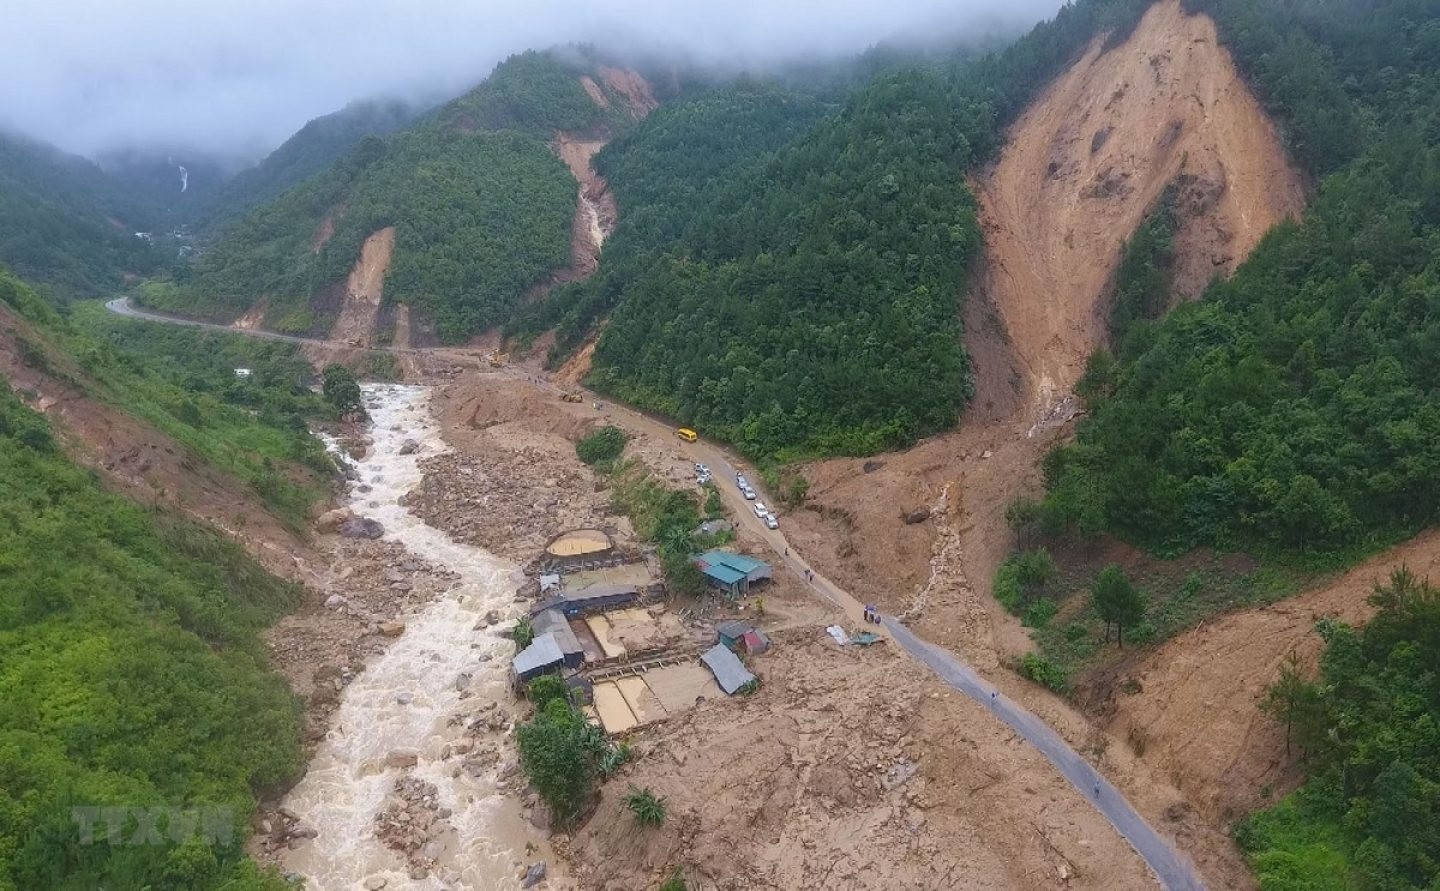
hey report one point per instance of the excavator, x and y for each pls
(498, 360)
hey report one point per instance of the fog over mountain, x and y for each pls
(235, 78)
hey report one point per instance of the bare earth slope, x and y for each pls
(363, 290)
(1090, 157)
(1214, 677)
(1080, 170)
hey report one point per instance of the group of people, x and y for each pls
(872, 614)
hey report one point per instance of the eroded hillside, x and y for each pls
(1080, 169)
(1088, 159)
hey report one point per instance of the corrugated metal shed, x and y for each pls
(748, 567)
(731, 631)
(723, 574)
(542, 655)
(755, 641)
(729, 672)
(552, 621)
(598, 597)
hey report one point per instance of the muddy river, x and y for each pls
(408, 699)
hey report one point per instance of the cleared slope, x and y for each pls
(1090, 157)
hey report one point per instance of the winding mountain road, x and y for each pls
(1172, 869)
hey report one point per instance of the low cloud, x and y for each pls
(234, 78)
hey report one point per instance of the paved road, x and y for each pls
(1173, 870)
(121, 307)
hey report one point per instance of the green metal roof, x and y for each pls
(723, 574)
(738, 562)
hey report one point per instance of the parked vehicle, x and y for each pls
(761, 510)
(741, 482)
(749, 493)
(687, 434)
(771, 522)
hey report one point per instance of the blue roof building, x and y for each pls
(732, 573)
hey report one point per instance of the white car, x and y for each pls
(741, 482)
(749, 494)
(771, 522)
(761, 510)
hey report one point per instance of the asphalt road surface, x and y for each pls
(1173, 870)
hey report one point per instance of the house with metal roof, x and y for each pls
(552, 621)
(730, 673)
(732, 573)
(731, 632)
(541, 657)
(597, 597)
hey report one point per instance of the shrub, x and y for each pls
(648, 808)
(1022, 577)
(1039, 613)
(676, 882)
(546, 688)
(613, 759)
(523, 634)
(601, 446)
(342, 390)
(1044, 672)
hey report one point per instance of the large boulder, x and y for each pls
(331, 520)
(401, 758)
(361, 527)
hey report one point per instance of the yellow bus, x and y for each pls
(686, 434)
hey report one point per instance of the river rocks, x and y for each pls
(510, 502)
(391, 629)
(331, 520)
(361, 527)
(401, 758)
(375, 883)
(534, 875)
(336, 601)
(409, 447)
(410, 824)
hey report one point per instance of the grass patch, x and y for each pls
(1182, 593)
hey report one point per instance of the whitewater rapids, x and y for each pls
(406, 697)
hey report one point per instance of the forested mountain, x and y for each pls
(65, 224)
(480, 206)
(313, 148)
(796, 288)
(1295, 412)
(132, 672)
(1295, 407)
